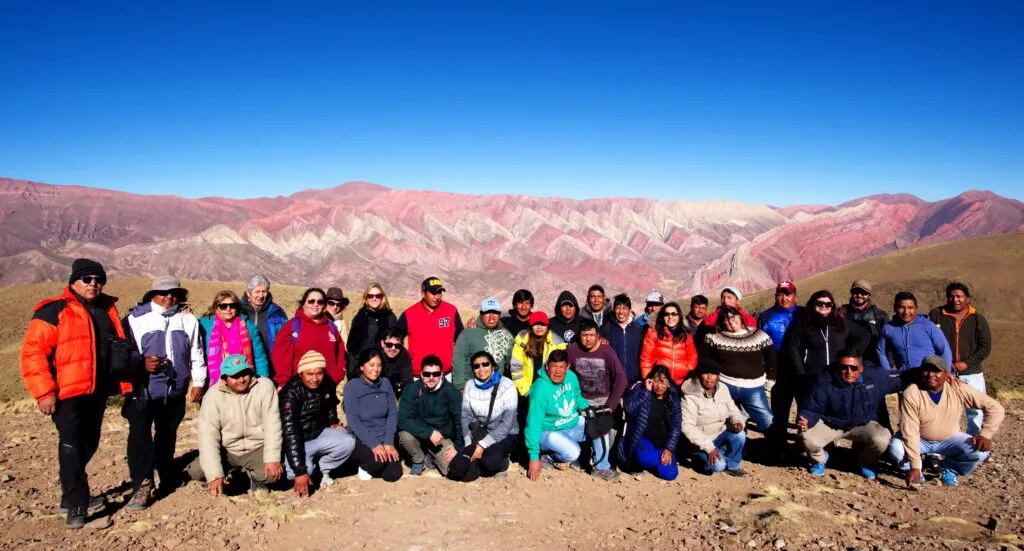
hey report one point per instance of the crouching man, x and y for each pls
(239, 427)
(930, 413)
(844, 403)
(313, 436)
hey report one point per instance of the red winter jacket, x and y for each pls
(289, 346)
(678, 356)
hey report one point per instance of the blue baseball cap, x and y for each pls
(490, 304)
(233, 365)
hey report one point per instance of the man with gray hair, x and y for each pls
(258, 304)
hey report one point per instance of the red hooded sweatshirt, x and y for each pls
(290, 345)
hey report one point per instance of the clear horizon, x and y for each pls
(792, 103)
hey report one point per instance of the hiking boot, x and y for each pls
(76, 518)
(416, 469)
(868, 473)
(606, 474)
(738, 472)
(948, 478)
(142, 496)
(95, 502)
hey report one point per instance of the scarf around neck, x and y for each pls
(493, 380)
(225, 341)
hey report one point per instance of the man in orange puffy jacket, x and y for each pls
(65, 363)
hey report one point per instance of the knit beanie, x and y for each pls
(82, 267)
(311, 360)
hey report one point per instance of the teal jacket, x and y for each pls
(259, 353)
(552, 407)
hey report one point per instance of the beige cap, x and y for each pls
(861, 284)
(311, 360)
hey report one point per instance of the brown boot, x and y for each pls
(142, 496)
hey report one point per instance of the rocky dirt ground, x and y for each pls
(775, 508)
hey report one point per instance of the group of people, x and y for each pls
(593, 387)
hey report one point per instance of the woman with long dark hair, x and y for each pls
(669, 344)
(653, 426)
(310, 329)
(819, 336)
(747, 359)
(372, 414)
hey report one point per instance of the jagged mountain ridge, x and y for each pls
(482, 244)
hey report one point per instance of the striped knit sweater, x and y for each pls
(746, 357)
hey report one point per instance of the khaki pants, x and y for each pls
(415, 448)
(252, 462)
(872, 439)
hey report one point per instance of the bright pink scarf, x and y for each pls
(225, 341)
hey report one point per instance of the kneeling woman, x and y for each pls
(653, 419)
(372, 414)
(489, 425)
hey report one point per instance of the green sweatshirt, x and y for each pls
(552, 407)
(497, 341)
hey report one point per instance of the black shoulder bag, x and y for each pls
(478, 430)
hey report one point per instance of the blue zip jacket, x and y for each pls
(371, 411)
(843, 406)
(775, 321)
(637, 406)
(910, 343)
(626, 342)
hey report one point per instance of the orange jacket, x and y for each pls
(59, 353)
(679, 357)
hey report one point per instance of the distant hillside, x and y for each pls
(991, 266)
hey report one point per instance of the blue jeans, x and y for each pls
(958, 455)
(754, 402)
(649, 459)
(328, 451)
(564, 445)
(974, 416)
(730, 452)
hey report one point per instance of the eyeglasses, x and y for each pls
(849, 367)
(89, 280)
(375, 295)
(481, 364)
(334, 303)
(228, 306)
(317, 301)
(392, 345)
(823, 304)
(429, 374)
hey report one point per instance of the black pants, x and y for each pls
(786, 389)
(78, 422)
(494, 460)
(152, 433)
(390, 471)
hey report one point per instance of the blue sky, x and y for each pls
(777, 102)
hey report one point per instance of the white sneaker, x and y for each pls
(363, 475)
(326, 481)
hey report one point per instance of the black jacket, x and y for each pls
(305, 414)
(569, 329)
(812, 348)
(871, 319)
(367, 327)
(397, 371)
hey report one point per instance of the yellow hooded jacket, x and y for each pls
(521, 368)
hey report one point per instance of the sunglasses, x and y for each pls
(481, 364)
(429, 374)
(672, 314)
(822, 304)
(334, 303)
(317, 301)
(849, 367)
(89, 280)
(860, 292)
(392, 345)
(375, 295)
(228, 306)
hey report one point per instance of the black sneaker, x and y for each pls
(75, 519)
(95, 502)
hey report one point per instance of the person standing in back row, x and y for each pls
(871, 318)
(431, 326)
(66, 366)
(596, 308)
(968, 333)
(910, 337)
